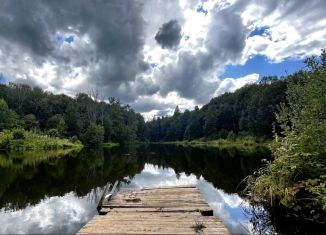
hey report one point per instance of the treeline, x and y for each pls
(249, 111)
(83, 117)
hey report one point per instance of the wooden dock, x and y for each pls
(168, 210)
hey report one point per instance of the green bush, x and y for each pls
(222, 134)
(57, 122)
(5, 138)
(74, 139)
(94, 136)
(18, 134)
(30, 122)
(8, 118)
(53, 132)
(231, 136)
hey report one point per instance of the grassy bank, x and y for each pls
(240, 142)
(21, 140)
(110, 145)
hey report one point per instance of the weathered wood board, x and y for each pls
(169, 210)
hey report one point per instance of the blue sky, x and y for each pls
(260, 64)
(60, 38)
(258, 31)
(2, 78)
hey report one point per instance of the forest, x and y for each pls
(249, 111)
(82, 117)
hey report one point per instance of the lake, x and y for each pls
(44, 193)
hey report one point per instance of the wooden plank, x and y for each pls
(157, 194)
(155, 190)
(170, 187)
(165, 210)
(158, 205)
(154, 223)
(154, 200)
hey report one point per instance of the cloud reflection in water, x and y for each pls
(67, 214)
(52, 215)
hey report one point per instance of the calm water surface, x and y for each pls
(45, 194)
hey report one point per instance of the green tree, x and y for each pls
(177, 111)
(57, 122)
(94, 135)
(30, 122)
(142, 130)
(210, 127)
(107, 124)
(8, 118)
(194, 127)
(72, 119)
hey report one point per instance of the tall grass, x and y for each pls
(22, 140)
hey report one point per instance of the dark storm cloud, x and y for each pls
(115, 29)
(226, 36)
(169, 35)
(224, 43)
(115, 26)
(22, 22)
(187, 77)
